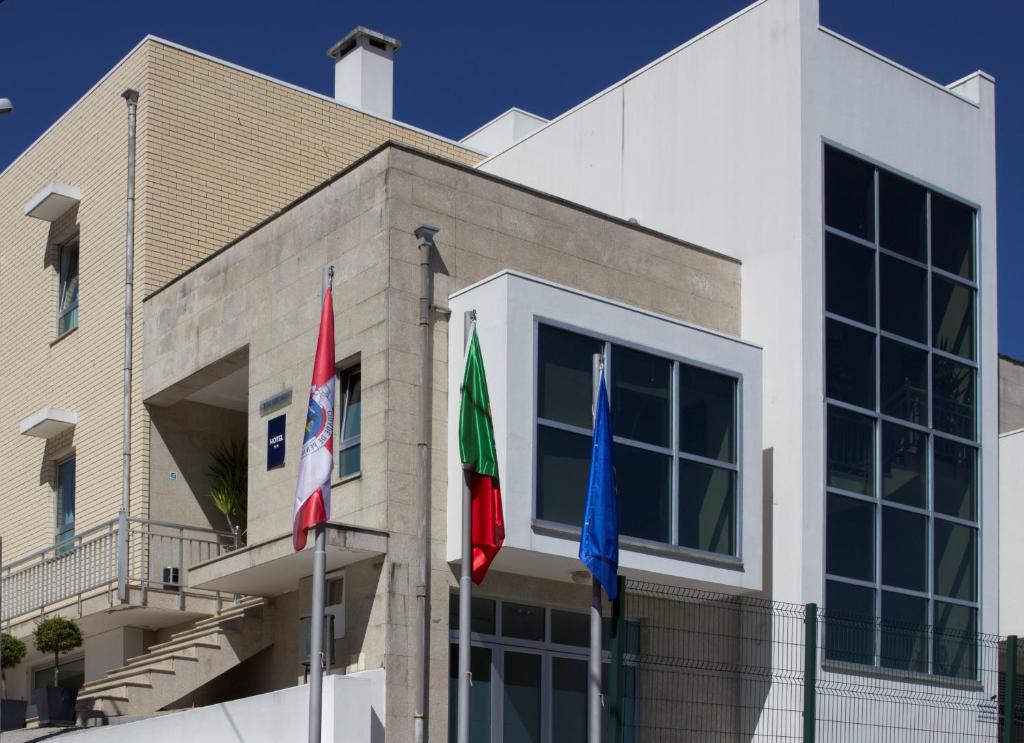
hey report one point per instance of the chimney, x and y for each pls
(364, 71)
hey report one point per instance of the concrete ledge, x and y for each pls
(273, 567)
(52, 200)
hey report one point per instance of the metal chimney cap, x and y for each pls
(376, 39)
(6, 106)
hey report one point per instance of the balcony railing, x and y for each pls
(116, 556)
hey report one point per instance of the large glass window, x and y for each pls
(902, 531)
(676, 441)
(67, 296)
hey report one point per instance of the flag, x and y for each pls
(479, 457)
(599, 542)
(313, 491)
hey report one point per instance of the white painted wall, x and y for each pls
(503, 131)
(351, 704)
(364, 78)
(719, 143)
(1011, 533)
(509, 306)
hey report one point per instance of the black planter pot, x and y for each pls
(12, 714)
(55, 705)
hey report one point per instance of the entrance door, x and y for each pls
(521, 697)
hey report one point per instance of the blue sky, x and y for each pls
(464, 62)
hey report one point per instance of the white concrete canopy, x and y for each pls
(52, 201)
(47, 422)
(273, 567)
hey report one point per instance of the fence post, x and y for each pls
(617, 670)
(1010, 690)
(810, 670)
(181, 568)
(122, 557)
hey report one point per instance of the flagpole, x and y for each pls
(316, 620)
(465, 580)
(596, 630)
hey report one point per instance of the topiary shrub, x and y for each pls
(56, 635)
(12, 652)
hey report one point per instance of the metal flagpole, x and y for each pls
(465, 581)
(594, 672)
(316, 620)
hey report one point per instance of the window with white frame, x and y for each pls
(901, 385)
(349, 427)
(67, 297)
(675, 430)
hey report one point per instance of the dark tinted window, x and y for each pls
(849, 627)
(849, 194)
(850, 364)
(851, 538)
(903, 300)
(707, 507)
(641, 396)
(902, 216)
(849, 279)
(563, 468)
(953, 397)
(956, 478)
(644, 482)
(904, 380)
(565, 375)
(952, 236)
(850, 451)
(707, 413)
(904, 465)
(904, 549)
(953, 317)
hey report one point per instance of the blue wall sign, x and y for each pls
(275, 442)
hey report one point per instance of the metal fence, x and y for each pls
(115, 556)
(721, 669)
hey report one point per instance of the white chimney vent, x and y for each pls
(364, 63)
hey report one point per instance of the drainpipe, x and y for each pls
(131, 97)
(425, 235)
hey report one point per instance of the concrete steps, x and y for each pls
(174, 669)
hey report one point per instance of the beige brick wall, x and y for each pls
(1011, 394)
(228, 149)
(219, 149)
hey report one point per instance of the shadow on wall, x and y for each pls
(185, 435)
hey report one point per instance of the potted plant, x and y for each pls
(55, 704)
(12, 711)
(229, 481)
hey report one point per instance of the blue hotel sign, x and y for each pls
(275, 442)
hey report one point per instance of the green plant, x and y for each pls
(12, 652)
(229, 480)
(56, 635)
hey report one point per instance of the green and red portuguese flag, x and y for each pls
(480, 460)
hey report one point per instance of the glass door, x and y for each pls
(521, 697)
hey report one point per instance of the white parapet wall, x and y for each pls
(353, 713)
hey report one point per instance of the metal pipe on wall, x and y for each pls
(425, 235)
(131, 97)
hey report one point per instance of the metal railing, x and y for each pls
(115, 556)
(711, 667)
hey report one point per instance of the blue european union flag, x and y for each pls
(599, 543)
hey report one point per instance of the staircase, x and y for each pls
(172, 670)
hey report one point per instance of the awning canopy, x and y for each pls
(47, 422)
(52, 201)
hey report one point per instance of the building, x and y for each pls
(785, 245)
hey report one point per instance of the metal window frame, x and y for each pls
(498, 645)
(347, 378)
(674, 451)
(72, 244)
(63, 537)
(878, 418)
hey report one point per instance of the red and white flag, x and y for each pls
(313, 491)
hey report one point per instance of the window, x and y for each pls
(67, 305)
(676, 442)
(334, 603)
(65, 539)
(902, 526)
(351, 415)
(71, 676)
(529, 666)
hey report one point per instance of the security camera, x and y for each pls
(6, 106)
